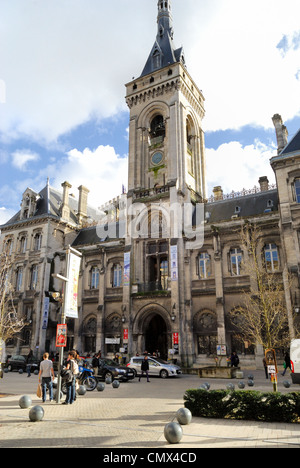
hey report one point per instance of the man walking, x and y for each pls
(47, 374)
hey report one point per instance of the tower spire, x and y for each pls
(164, 18)
(163, 52)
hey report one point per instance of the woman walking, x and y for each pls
(145, 368)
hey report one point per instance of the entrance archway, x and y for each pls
(156, 336)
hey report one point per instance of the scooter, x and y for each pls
(87, 378)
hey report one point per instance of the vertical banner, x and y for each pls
(71, 296)
(126, 278)
(125, 334)
(46, 313)
(61, 336)
(174, 263)
(176, 338)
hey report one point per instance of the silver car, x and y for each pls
(156, 367)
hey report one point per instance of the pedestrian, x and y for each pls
(145, 368)
(266, 368)
(234, 359)
(28, 365)
(71, 366)
(46, 373)
(286, 362)
(95, 364)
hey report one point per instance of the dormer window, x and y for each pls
(156, 58)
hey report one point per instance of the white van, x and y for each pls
(295, 361)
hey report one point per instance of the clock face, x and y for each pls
(157, 158)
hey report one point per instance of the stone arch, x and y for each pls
(144, 316)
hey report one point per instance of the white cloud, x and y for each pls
(65, 63)
(20, 158)
(5, 215)
(101, 170)
(241, 167)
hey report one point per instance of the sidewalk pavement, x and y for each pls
(131, 417)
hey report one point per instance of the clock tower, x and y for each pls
(166, 140)
(166, 170)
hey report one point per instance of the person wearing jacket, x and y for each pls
(145, 368)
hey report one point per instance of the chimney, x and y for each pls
(264, 184)
(281, 132)
(65, 209)
(82, 204)
(218, 193)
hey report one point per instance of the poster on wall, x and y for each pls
(71, 298)
(126, 279)
(61, 336)
(174, 263)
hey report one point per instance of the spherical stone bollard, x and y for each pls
(230, 387)
(250, 383)
(241, 385)
(36, 372)
(207, 385)
(81, 390)
(25, 402)
(184, 416)
(173, 433)
(203, 387)
(21, 371)
(36, 413)
(55, 394)
(286, 384)
(108, 380)
(100, 387)
(251, 377)
(116, 384)
(6, 370)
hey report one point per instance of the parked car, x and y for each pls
(157, 366)
(18, 362)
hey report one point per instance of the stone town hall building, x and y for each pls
(144, 284)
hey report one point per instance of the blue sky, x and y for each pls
(64, 64)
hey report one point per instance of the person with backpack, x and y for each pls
(72, 367)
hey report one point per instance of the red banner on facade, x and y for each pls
(175, 338)
(125, 334)
(61, 336)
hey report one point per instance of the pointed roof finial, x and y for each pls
(163, 52)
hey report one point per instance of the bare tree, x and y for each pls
(10, 322)
(262, 316)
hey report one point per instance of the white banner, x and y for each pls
(71, 296)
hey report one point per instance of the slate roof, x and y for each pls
(94, 235)
(250, 205)
(163, 45)
(49, 204)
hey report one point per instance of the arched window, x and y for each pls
(37, 242)
(117, 276)
(204, 265)
(19, 281)
(33, 277)
(235, 262)
(157, 127)
(271, 258)
(95, 278)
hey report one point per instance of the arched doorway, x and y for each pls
(156, 336)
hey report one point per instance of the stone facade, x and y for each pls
(145, 282)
